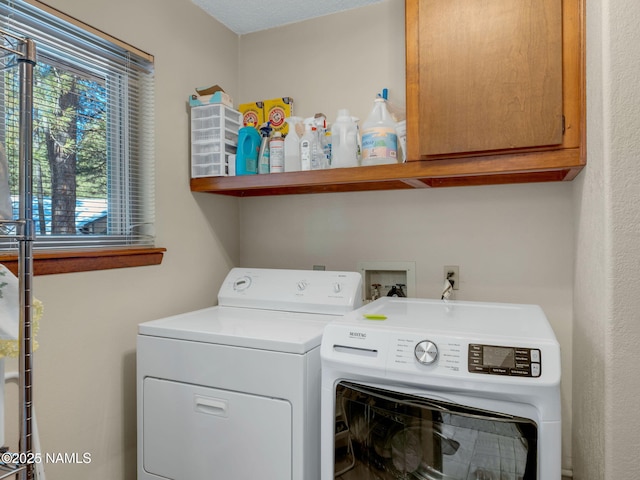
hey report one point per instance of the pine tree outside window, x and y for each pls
(92, 133)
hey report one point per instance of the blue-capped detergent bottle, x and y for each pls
(247, 151)
(379, 137)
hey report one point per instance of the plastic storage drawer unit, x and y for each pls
(214, 136)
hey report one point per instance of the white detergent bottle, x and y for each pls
(379, 137)
(344, 141)
(307, 145)
(292, 144)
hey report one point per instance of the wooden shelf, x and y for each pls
(546, 166)
(537, 161)
(69, 261)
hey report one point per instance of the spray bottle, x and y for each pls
(324, 142)
(307, 143)
(263, 156)
(315, 145)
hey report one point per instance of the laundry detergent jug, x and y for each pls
(344, 141)
(247, 151)
(379, 137)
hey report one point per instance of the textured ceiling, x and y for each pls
(246, 16)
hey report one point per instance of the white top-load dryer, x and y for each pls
(233, 391)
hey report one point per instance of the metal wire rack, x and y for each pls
(20, 52)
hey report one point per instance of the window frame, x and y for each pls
(66, 260)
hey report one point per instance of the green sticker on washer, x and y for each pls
(373, 316)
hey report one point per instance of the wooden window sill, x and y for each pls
(50, 262)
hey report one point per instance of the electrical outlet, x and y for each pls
(452, 273)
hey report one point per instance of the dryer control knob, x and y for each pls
(337, 287)
(242, 283)
(426, 352)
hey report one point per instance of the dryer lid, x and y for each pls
(288, 332)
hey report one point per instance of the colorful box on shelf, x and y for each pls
(210, 95)
(274, 110)
(252, 112)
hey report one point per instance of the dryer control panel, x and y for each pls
(500, 360)
(308, 291)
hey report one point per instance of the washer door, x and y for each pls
(389, 435)
(198, 432)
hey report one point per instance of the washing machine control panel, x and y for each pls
(415, 353)
(501, 360)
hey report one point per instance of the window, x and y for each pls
(92, 132)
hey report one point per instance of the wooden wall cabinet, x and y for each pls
(495, 94)
(497, 78)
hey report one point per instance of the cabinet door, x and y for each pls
(484, 75)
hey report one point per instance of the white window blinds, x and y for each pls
(93, 140)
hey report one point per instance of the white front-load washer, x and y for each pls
(233, 391)
(435, 390)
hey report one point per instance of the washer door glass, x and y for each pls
(389, 435)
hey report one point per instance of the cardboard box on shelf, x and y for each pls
(208, 95)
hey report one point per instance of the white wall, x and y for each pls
(85, 367)
(622, 387)
(512, 243)
(607, 304)
(337, 61)
(591, 291)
